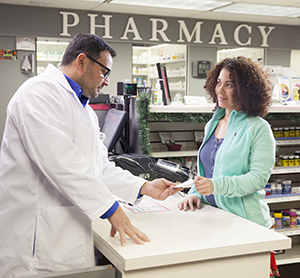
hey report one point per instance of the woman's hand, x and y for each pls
(189, 202)
(204, 186)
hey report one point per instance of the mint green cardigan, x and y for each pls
(243, 166)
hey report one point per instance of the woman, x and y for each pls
(238, 150)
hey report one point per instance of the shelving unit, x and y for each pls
(282, 202)
(175, 154)
(291, 256)
(282, 198)
(48, 51)
(140, 68)
(286, 170)
(172, 56)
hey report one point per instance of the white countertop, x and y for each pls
(178, 237)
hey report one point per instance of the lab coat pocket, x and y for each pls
(60, 238)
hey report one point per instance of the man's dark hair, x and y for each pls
(89, 44)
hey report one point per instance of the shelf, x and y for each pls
(168, 61)
(209, 107)
(176, 76)
(169, 77)
(182, 108)
(177, 90)
(285, 169)
(289, 232)
(287, 141)
(290, 256)
(279, 108)
(282, 198)
(49, 60)
(175, 153)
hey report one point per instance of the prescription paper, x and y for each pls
(145, 208)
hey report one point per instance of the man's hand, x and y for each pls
(204, 186)
(120, 223)
(159, 189)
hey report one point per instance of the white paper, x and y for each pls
(145, 208)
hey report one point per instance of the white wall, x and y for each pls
(10, 78)
(295, 62)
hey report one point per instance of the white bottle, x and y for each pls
(189, 165)
(157, 94)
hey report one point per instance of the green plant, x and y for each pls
(144, 114)
(143, 109)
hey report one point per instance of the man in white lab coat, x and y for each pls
(55, 177)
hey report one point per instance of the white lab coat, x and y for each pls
(55, 179)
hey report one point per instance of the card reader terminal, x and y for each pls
(170, 170)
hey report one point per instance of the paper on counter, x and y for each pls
(144, 208)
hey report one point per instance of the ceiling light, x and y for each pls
(53, 42)
(39, 3)
(175, 4)
(258, 9)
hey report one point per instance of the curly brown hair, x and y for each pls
(251, 84)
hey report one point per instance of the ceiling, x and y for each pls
(130, 9)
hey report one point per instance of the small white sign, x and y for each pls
(25, 43)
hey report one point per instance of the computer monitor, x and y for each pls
(113, 126)
(164, 84)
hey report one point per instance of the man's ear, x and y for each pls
(81, 62)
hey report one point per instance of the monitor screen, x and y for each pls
(113, 126)
(162, 74)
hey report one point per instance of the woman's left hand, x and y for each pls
(204, 186)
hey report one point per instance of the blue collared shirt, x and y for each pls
(78, 91)
(83, 99)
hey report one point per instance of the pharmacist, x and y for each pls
(55, 178)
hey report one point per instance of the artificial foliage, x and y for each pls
(293, 117)
(143, 110)
(186, 118)
(180, 117)
(202, 118)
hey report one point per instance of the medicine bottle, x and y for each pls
(280, 160)
(292, 132)
(293, 220)
(285, 220)
(286, 186)
(297, 132)
(268, 189)
(278, 220)
(291, 160)
(285, 160)
(296, 160)
(286, 132)
(297, 152)
(275, 132)
(157, 94)
(273, 188)
(279, 188)
(298, 217)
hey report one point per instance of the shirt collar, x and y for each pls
(78, 91)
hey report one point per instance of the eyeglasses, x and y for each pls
(108, 71)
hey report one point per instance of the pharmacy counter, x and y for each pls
(210, 242)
